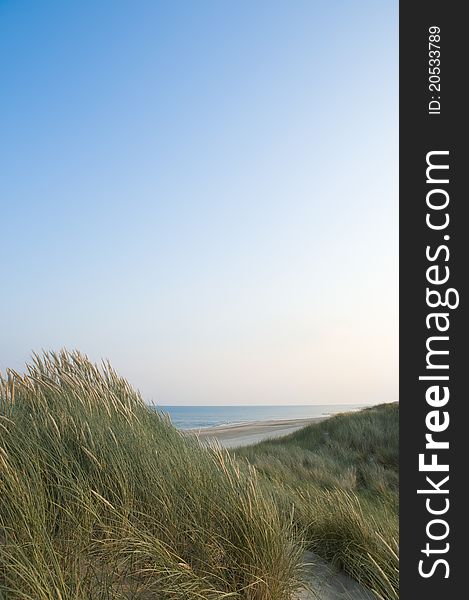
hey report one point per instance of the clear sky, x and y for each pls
(204, 192)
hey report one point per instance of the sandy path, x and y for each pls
(326, 583)
(244, 434)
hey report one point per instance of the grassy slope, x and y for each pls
(341, 477)
(102, 498)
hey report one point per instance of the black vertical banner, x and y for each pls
(434, 252)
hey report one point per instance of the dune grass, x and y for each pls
(101, 498)
(341, 477)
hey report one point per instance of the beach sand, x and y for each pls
(244, 434)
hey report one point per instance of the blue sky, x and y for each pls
(205, 193)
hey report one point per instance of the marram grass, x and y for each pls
(341, 476)
(102, 498)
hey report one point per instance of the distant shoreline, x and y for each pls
(235, 435)
(200, 417)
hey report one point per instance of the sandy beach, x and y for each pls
(244, 434)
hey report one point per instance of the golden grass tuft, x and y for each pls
(100, 497)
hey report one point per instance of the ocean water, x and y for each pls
(195, 417)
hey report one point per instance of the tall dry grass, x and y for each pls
(341, 478)
(101, 498)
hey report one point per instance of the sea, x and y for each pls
(196, 417)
